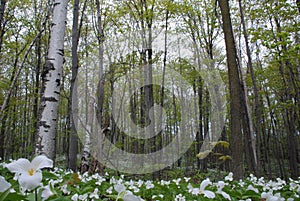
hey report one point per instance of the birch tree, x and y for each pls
(51, 78)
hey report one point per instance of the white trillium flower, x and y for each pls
(47, 192)
(131, 197)
(251, 188)
(4, 185)
(119, 188)
(100, 180)
(176, 181)
(221, 185)
(201, 190)
(74, 197)
(229, 177)
(95, 194)
(65, 190)
(192, 190)
(83, 197)
(187, 179)
(206, 193)
(109, 190)
(270, 197)
(127, 195)
(164, 183)
(140, 183)
(179, 197)
(29, 173)
(149, 185)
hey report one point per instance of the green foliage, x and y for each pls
(273, 28)
(67, 185)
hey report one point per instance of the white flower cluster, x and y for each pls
(70, 184)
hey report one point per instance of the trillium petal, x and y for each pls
(204, 183)
(21, 165)
(251, 188)
(29, 182)
(264, 195)
(226, 196)
(119, 188)
(131, 197)
(221, 185)
(74, 197)
(194, 191)
(4, 185)
(209, 194)
(47, 193)
(41, 161)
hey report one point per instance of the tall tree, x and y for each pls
(97, 156)
(236, 139)
(2, 10)
(51, 78)
(73, 103)
(290, 95)
(257, 106)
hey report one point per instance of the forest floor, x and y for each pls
(60, 184)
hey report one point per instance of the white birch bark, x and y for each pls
(51, 76)
(85, 157)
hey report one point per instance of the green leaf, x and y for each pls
(222, 143)
(114, 197)
(203, 154)
(225, 158)
(4, 194)
(12, 197)
(250, 194)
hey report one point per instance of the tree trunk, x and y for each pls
(235, 93)
(38, 55)
(51, 78)
(2, 10)
(100, 91)
(257, 106)
(73, 103)
(289, 83)
(85, 157)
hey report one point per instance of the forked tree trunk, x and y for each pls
(51, 78)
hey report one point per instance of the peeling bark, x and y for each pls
(51, 78)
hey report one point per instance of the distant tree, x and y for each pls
(2, 9)
(72, 115)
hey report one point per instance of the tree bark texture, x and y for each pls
(73, 103)
(2, 10)
(236, 140)
(51, 78)
(257, 106)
